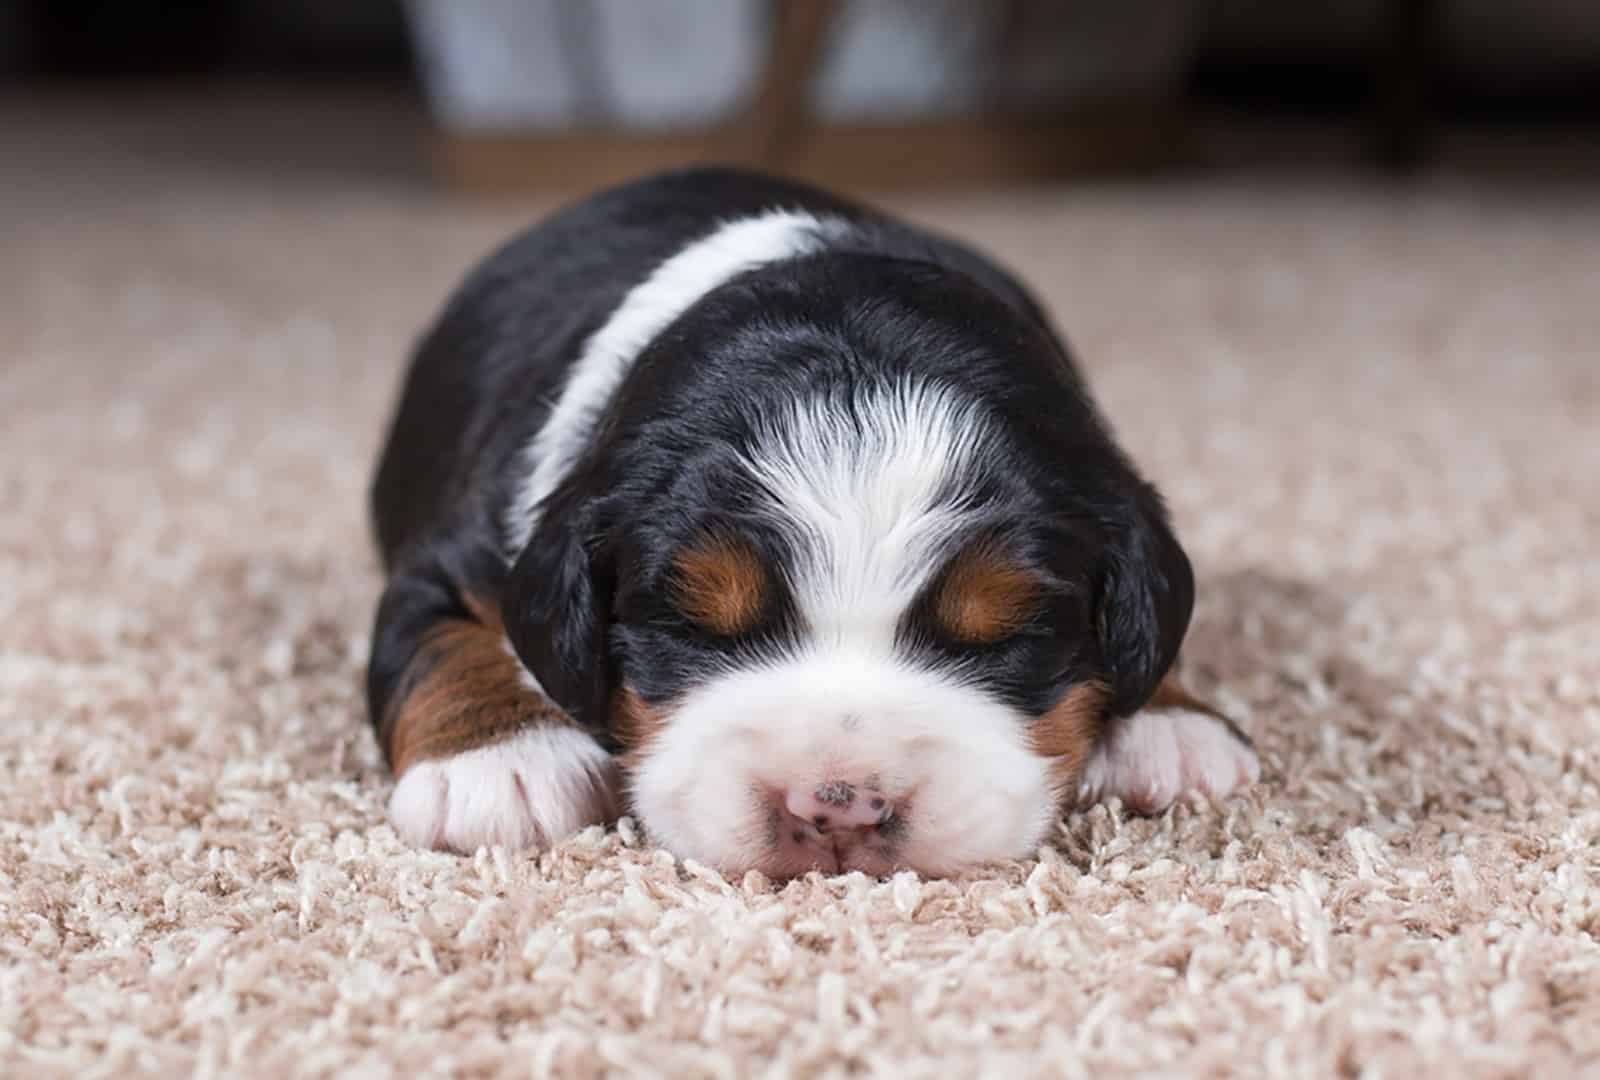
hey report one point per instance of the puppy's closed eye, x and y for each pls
(985, 595)
(721, 585)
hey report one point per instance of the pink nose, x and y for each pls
(837, 805)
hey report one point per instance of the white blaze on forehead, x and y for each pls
(873, 490)
(648, 309)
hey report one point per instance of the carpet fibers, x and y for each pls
(1376, 415)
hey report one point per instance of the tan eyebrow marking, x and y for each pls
(985, 595)
(721, 584)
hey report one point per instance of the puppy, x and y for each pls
(781, 524)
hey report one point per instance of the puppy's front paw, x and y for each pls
(530, 790)
(1154, 757)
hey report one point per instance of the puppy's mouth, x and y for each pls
(800, 847)
(834, 826)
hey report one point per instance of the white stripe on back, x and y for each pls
(648, 309)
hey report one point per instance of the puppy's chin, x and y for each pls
(839, 762)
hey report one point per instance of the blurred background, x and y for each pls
(559, 95)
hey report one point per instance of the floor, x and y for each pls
(1374, 411)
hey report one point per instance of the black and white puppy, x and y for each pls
(784, 525)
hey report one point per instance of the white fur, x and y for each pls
(652, 305)
(1156, 756)
(871, 492)
(864, 488)
(474, 799)
(951, 759)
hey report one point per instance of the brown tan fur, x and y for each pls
(1172, 694)
(636, 723)
(985, 596)
(463, 689)
(721, 584)
(1067, 734)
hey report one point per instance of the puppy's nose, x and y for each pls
(837, 805)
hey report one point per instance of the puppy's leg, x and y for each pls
(1174, 745)
(482, 757)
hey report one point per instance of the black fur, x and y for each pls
(585, 602)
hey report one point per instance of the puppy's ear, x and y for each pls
(557, 605)
(1145, 598)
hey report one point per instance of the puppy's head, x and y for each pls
(877, 633)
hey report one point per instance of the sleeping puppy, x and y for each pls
(785, 526)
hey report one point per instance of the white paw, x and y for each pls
(1154, 757)
(531, 790)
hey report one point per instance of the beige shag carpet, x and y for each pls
(1376, 413)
